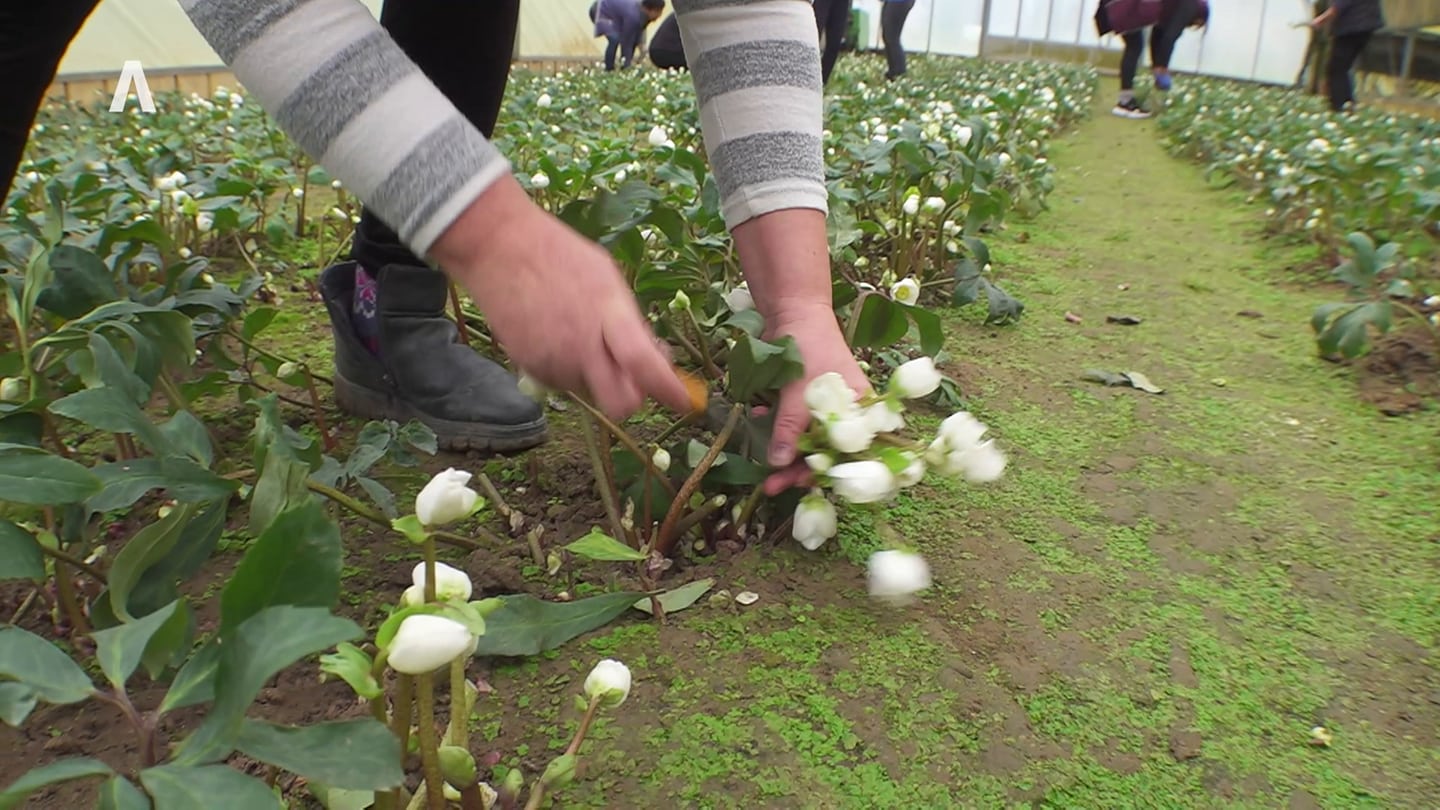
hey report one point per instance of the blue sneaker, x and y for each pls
(1163, 82)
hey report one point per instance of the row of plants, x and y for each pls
(140, 282)
(1344, 182)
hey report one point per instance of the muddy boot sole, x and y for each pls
(453, 436)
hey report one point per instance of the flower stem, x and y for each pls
(459, 711)
(428, 549)
(629, 443)
(429, 745)
(401, 712)
(325, 436)
(665, 542)
(72, 561)
(602, 481)
(579, 738)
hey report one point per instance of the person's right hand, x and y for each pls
(557, 303)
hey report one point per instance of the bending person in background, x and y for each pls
(1167, 20)
(411, 143)
(667, 51)
(832, 18)
(892, 24)
(623, 24)
(1354, 22)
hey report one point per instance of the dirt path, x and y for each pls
(1152, 610)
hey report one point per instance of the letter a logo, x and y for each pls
(132, 74)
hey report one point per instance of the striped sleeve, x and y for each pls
(756, 67)
(344, 90)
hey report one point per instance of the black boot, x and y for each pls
(422, 373)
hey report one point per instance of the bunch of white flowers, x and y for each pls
(856, 453)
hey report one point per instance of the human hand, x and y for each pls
(823, 348)
(558, 304)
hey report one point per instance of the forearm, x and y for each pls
(756, 67)
(786, 258)
(339, 85)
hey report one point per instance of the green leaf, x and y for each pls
(195, 682)
(80, 282)
(112, 371)
(159, 584)
(173, 638)
(932, 334)
(110, 410)
(119, 794)
(266, 643)
(213, 787)
(968, 283)
(757, 366)
(355, 667)
(257, 320)
(419, 436)
(40, 665)
(882, 322)
(1004, 309)
(148, 547)
(54, 773)
(338, 799)
(187, 435)
(16, 702)
(598, 545)
(529, 626)
(353, 754)
(119, 649)
(677, 599)
(295, 562)
(379, 494)
(281, 486)
(44, 479)
(20, 556)
(125, 482)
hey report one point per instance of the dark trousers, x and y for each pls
(832, 17)
(1162, 42)
(892, 23)
(667, 59)
(1344, 50)
(33, 39)
(464, 48)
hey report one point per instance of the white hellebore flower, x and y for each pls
(815, 521)
(963, 135)
(184, 253)
(423, 643)
(540, 180)
(915, 379)
(658, 136)
(661, 459)
(912, 474)
(740, 299)
(819, 462)
(934, 205)
(1005, 158)
(829, 397)
(906, 291)
(911, 207)
(204, 222)
(863, 481)
(450, 583)
(896, 575)
(610, 682)
(445, 499)
(543, 100)
(852, 433)
(961, 449)
(884, 418)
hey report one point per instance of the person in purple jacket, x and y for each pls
(623, 24)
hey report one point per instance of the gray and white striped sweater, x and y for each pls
(351, 98)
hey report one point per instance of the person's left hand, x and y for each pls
(823, 348)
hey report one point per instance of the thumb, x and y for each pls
(791, 420)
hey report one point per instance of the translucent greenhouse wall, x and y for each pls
(1247, 39)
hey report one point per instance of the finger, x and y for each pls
(632, 347)
(796, 475)
(791, 419)
(614, 393)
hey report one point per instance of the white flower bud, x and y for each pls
(446, 499)
(896, 575)
(543, 101)
(863, 481)
(423, 643)
(658, 136)
(814, 521)
(661, 459)
(609, 682)
(915, 379)
(451, 584)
